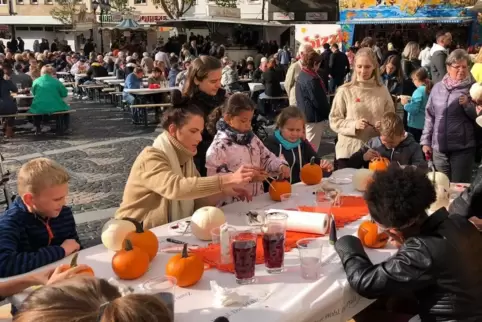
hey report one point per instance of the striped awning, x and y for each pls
(407, 20)
(128, 24)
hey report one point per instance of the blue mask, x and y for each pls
(286, 144)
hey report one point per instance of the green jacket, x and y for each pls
(49, 94)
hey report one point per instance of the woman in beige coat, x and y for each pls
(358, 106)
(165, 186)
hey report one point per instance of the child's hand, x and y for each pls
(370, 155)
(285, 171)
(239, 193)
(70, 246)
(326, 166)
(404, 100)
(62, 273)
(261, 176)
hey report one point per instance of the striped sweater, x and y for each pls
(24, 239)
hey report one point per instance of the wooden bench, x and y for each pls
(59, 121)
(66, 84)
(145, 107)
(94, 89)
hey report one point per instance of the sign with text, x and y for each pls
(148, 19)
(283, 16)
(309, 16)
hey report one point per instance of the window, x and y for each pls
(2, 2)
(33, 1)
(19, 1)
(36, 28)
(21, 28)
(49, 28)
(137, 2)
(49, 1)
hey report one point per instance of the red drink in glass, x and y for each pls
(244, 256)
(274, 242)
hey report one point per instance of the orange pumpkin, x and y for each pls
(311, 173)
(278, 188)
(144, 239)
(370, 237)
(131, 262)
(379, 164)
(73, 263)
(186, 268)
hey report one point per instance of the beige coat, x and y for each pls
(290, 81)
(152, 186)
(366, 100)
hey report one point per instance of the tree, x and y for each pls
(66, 11)
(121, 6)
(226, 3)
(174, 9)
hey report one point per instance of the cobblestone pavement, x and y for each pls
(98, 155)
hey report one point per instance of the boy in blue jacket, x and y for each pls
(393, 143)
(37, 229)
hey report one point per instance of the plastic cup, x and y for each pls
(323, 204)
(291, 201)
(163, 287)
(243, 249)
(310, 250)
(274, 234)
(216, 234)
(216, 239)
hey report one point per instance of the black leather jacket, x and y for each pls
(442, 267)
(469, 203)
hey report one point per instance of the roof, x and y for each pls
(190, 21)
(127, 24)
(406, 20)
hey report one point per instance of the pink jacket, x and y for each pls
(226, 156)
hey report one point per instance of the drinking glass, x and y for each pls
(243, 248)
(291, 201)
(323, 204)
(225, 258)
(310, 250)
(163, 287)
(274, 233)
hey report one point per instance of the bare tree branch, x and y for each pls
(174, 9)
(121, 6)
(65, 11)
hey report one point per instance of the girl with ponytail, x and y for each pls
(415, 106)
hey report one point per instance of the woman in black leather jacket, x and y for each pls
(440, 257)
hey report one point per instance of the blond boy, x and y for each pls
(393, 143)
(37, 229)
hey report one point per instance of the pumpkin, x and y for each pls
(379, 164)
(73, 263)
(186, 268)
(131, 262)
(278, 188)
(144, 239)
(362, 178)
(204, 220)
(370, 237)
(311, 173)
(114, 232)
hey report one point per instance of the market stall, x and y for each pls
(404, 19)
(129, 35)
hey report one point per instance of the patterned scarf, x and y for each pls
(233, 134)
(451, 83)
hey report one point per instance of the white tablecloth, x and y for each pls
(148, 91)
(255, 87)
(105, 78)
(285, 297)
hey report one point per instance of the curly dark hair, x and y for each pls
(398, 196)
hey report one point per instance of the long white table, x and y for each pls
(285, 297)
(255, 87)
(105, 78)
(149, 91)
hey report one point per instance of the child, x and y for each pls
(415, 107)
(393, 143)
(37, 229)
(235, 145)
(288, 142)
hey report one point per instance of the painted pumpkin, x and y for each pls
(114, 232)
(204, 220)
(440, 179)
(379, 164)
(73, 263)
(370, 237)
(186, 268)
(362, 178)
(144, 239)
(131, 262)
(442, 189)
(279, 188)
(311, 173)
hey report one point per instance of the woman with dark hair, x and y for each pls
(439, 256)
(311, 98)
(202, 88)
(164, 185)
(271, 79)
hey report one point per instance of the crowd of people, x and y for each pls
(390, 104)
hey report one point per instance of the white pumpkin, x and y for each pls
(440, 179)
(443, 199)
(361, 179)
(204, 220)
(114, 232)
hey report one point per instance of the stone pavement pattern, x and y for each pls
(98, 155)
